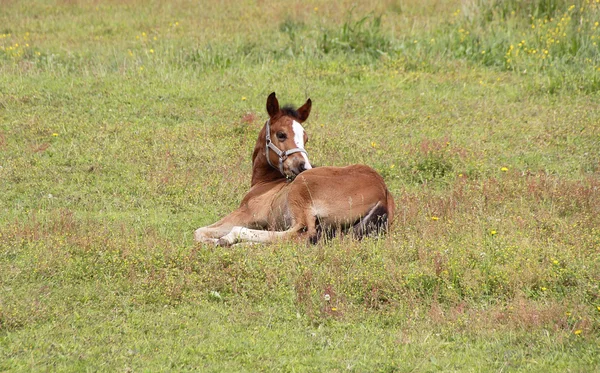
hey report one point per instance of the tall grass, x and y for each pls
(555, 44)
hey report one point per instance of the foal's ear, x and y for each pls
(304, 111)
(272, 105)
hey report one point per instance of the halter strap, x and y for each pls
(281, 154)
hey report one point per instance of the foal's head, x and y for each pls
(287, 137)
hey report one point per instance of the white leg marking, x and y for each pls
(238, 234)
(207, 235)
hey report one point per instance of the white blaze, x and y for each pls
(299, 141)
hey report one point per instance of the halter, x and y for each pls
(282, 155)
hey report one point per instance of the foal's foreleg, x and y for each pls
(242, 234)
(212, 233)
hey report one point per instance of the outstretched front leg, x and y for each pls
(212, 233)
(243, 234)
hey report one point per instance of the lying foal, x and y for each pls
(289, 198)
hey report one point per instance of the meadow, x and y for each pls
(124, 126)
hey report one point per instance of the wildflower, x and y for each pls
(373, 144)
(392, 165)
(333, 309)
(504, 169)
(55, 134)
(215, 295)
(598, 308)
(243, 98)
(434, 218)
(327, 297)
(568, 313)
(316, 9)
(151, 50)
(543, 288)
(493, 233)
(577, 332)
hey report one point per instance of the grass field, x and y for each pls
(124, 126)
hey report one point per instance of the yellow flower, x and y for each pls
(434, 218)
(543, 288)
(316, 9)
(151, 50)
(243, 98)
(333, 309)
(55, 134)
(568, 313)
(598, 308)
(493, 233)
(577, 332)
(504, 169)
(373, 144)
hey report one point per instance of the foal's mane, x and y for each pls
(290, 111)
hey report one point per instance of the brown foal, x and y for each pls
(288, 198)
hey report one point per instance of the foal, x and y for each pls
(289, 198)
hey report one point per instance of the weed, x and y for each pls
(361, 37)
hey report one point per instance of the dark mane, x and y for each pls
(290, 111)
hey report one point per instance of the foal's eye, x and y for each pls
(281, 136)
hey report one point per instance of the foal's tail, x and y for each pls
(378, 220)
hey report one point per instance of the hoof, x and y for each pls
(222, 242)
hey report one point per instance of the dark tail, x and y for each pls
(374, 223)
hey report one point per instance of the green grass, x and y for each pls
(123, 127)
